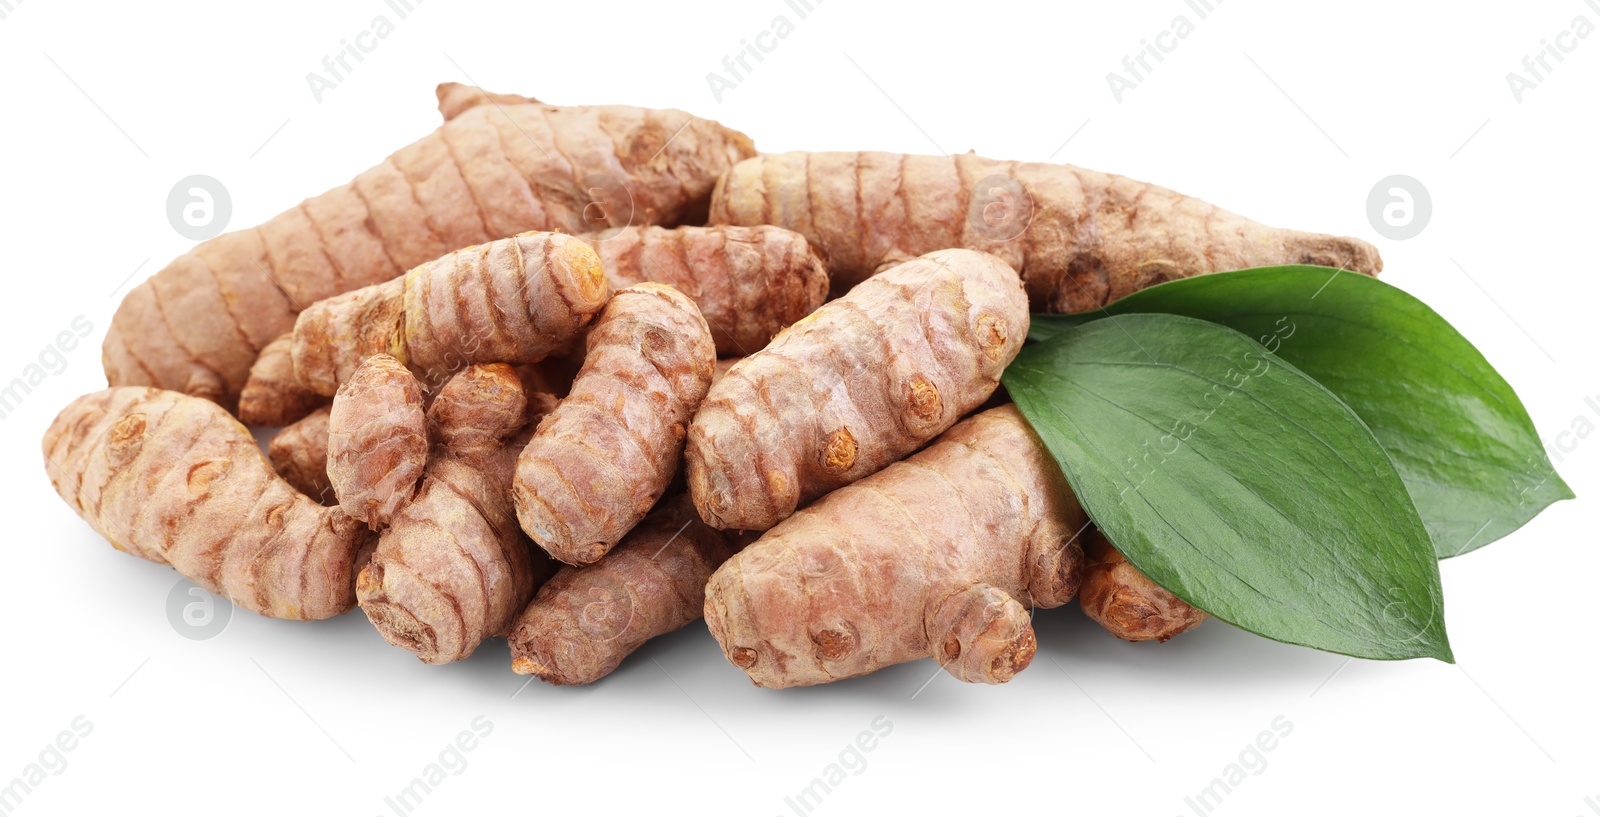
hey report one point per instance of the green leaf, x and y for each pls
(1456, 431)
(1235, 481)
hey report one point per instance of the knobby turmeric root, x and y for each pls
(451, 568)
(272, 394)
(491, 172)
(176, 480)
(1079, 238)
(599, 462)
(939, 555)
(299, 453)
(586, 620)
(749, 282)
(862, 382)
(1125, 601)
(515, 300)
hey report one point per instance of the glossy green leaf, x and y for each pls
(1456, 431)
(1237, 482)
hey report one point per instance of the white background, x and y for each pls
(1286, 114)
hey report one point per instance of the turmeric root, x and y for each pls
(176, 480)
(299, 453)
(862, 382)
(599, 462)
(490, 172)
(272, 395)
(1079, 238)
(941, 555)
(749, 282)
(1125, 601)
(451, 568)
(585, 620)
(455, 99)
(515, 300)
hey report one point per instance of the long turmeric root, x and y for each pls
(599, 462)
(1125, 601)
(941, 554)
(1079, 238)
(585, 620)
(175, 479)
(451, 568)
(515, 300)
(491, 172)
(862, 382)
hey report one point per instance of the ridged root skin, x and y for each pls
(1126, 602)
(299, 453)
(939, 555)
(272, 395)
(860, 383)
(749, 282)
(586, 620)
(1080, 238)
(176, 480)
(451, 568)
(490, 172)
(514, 301)
(607, 454)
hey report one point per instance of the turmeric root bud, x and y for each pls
(1126, 602)
(175, 479)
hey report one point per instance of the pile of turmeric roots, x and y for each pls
(577, 376)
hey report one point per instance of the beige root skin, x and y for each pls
(176, 480)
(586, 620)
(1126, 602)
(272, 395)
(939, 555)
(456, 99)
(451, 568)
(377, 441)
(599, 462)
(749, 282)
(490, 172)
(1087, 239)
(862, 382)
(299, 453)
(510, 301)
